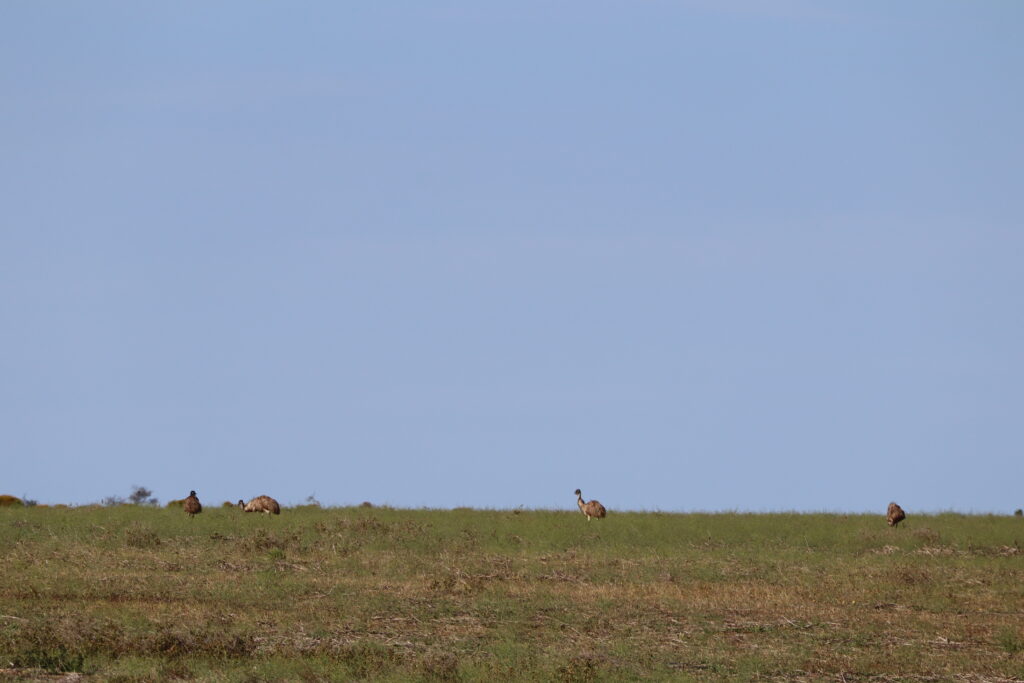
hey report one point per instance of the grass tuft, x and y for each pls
(52, 660)
(1011, 640)
(141, 536)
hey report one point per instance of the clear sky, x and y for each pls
(684, 255)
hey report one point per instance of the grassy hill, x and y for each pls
(140, 593)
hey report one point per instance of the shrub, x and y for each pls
(142, 496)
(228, 504)
(176, 503)
(10, 501)
(1019, 512)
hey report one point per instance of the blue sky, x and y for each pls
(682, 255)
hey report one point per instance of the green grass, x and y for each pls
(138, 593)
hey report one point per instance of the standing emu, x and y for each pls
(192, 505)
(895, 515)
(591, 509)
(261, 504)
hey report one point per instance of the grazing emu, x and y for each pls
(591, 509)
(261, 504)
(192, 505)
(896, 514)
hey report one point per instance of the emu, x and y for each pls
(192, 505)
(895, 515)
(261, 504)
(591, 509)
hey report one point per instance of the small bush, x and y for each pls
(1018, 512)
(10, 501)
(142, 496)
(175, 503)
(228, 504)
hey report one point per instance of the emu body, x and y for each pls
(895, 514)
(591, 508)
(261, 504)
(192, 505)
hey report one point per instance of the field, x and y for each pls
(136, 593)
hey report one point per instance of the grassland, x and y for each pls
(139, 593)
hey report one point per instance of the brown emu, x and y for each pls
(895, 515)
(591, 509)
(261, 504)
(192, 505)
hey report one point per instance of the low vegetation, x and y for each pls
(134, 593)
